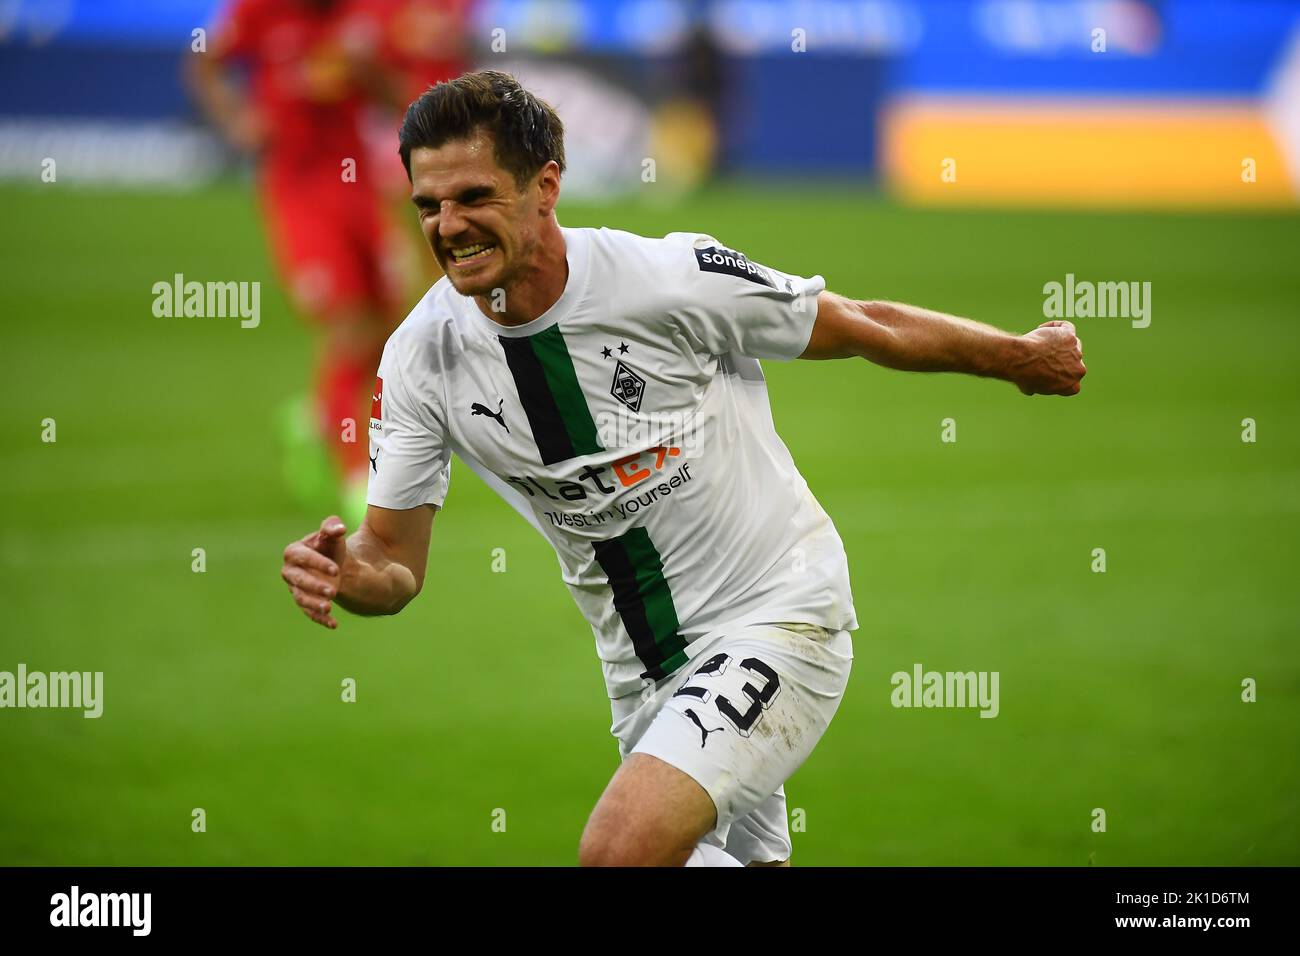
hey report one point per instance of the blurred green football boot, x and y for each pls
(354, 501)
(306, 468)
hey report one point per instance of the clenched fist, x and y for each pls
(1050, 361)
(312, 569)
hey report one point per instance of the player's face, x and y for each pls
(482, 229)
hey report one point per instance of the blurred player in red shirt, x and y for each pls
(316, 69)
(423, 43)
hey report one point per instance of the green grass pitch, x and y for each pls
(1119, 690)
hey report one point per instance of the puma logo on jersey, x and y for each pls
(704, 733)
(477, 409)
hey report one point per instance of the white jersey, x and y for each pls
(630, 425)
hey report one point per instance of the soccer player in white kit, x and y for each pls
(607, 386)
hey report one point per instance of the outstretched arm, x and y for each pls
(208, 80)
(378, 570)
(1046, 361)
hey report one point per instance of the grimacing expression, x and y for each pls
(480, 226)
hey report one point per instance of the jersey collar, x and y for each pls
(577, 253)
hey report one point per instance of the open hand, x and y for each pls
(312, 569)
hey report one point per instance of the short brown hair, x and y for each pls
(526, 132)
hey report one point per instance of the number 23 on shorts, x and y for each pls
(760, 697)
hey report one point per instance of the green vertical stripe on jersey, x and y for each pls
(549, 431)
(557, 365)
(643, 600)
(659, 610)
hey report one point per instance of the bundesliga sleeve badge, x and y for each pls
(377, 407)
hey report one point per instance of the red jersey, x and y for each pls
(425, 40)
(298, 54)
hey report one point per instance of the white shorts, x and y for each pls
(739, 718)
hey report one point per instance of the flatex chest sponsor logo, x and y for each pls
(649, 475)
(732, 263)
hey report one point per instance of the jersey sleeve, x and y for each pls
(732, 304)
(410, 461)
